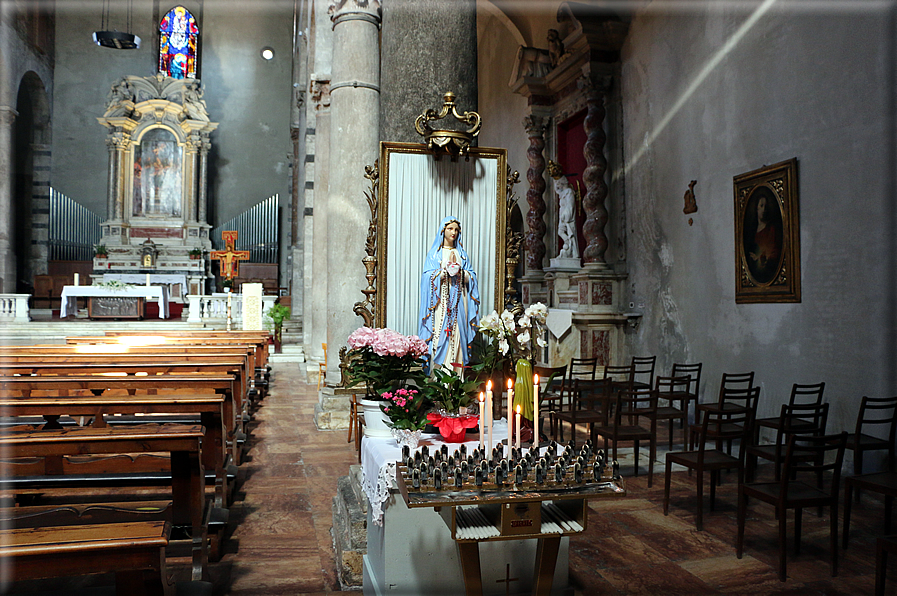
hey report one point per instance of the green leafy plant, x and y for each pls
(276, 315)
(100, 250)
(227, 283)
(383, 359)
(195, 252)
(405, 408)
(447, 390)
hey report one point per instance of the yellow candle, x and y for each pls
(510, 410)
(76, 279)
(535, 409)
(482, 415)
(489, 411)
(517, 428)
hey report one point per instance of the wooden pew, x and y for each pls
(181, 442)
(134, 551)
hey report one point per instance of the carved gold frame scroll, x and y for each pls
(502, 246)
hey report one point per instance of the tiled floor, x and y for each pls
(282, 544)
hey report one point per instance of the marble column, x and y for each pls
(354, 144)
(429, 47)
(40, 208)
(203, 181)
(7, 213)
(535, 235)
(193, 146)
(595, 89)
(110, 177)
(316, 283)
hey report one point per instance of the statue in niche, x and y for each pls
(566, 212)
(531, 62)
(194, 104)
(555, 47)
(449, 298)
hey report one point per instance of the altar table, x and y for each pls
(70, 294)
(411, 550)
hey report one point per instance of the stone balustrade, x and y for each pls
(14, 308)
(204, 309)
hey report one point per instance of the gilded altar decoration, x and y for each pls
(453, 142)
(767, 235)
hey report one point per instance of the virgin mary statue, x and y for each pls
(449, 298)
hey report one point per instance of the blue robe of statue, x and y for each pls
(449, 302)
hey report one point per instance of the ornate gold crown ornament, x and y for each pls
(555, 170)
(453, 142)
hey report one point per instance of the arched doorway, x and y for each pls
(31, 183)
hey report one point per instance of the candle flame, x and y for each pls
(518, 409)
(489, 385)
(510, 383)
(482, 397)
(535, 379)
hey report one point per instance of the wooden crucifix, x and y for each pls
(229, 259)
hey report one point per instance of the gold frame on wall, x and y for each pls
(373, 308)
(767, 252)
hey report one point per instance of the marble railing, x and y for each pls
(14, 308)
(203, 309)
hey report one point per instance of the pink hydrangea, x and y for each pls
(361, 338)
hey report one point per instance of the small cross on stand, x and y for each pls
(229, 263)
(507, 580)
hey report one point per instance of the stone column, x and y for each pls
(595, 89)
(203, 181)
(316, 285)
(429, 47)
(535, 236)
(40, 208)
(110, 181)
(7, 213)
(193, 144)
(355, 120)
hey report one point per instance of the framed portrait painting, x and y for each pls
(767, 235)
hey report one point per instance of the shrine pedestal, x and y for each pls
(413, 553)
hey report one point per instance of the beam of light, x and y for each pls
(708, 68)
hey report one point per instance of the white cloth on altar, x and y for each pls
(71, 293)
(139, 279)
(379, 458)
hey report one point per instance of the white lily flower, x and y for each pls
(523, 338)
(503, 345)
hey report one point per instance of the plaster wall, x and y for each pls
(250, 97)
(709, 94)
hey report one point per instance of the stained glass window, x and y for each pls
(178, 35)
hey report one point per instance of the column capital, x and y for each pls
(594, 84)
(320, 94)
(355, 10)
(535, 125)
(7, 115)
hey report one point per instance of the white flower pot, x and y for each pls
(374, 419)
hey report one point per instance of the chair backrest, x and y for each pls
(672, 385)
(618, 376)
(800, 420)
(692, 370)
(741, 396)
(875, 413)
(644, 367)
(813, 454)
(325, 353)
(806, 394)
(735, 381)
(720, 426)
(643, 399)
(583, 368)
(552, 376)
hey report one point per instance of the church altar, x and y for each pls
(411, 550)
(70, 294)
(177, 282)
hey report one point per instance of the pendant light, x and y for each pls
(117, 40)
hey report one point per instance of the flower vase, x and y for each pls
(375, 421)
(404, 436)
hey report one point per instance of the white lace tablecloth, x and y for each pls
(379, 458)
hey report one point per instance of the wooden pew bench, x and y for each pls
(134, 551)
(181, 443)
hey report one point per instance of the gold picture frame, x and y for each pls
(485, 224)
(767, 235)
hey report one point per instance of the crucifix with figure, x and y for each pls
(229, 259)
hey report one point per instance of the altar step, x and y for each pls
(350, 529)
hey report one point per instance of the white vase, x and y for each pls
(374, 419)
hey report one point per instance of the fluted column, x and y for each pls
(7, 256)
(203, 182)
(355, 122)
(535, 236)
(110, 180)
(595, 91)
(193, 145)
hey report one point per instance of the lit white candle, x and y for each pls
(147, 279)
(76, 279)
(535, 409)
(489, 411)
(510, 410)
(482, 416)
(517, 429)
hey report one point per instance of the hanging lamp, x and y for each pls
(117, 40)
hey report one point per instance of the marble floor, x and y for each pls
(281, 541)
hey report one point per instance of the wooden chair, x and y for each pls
(634, 404)
(800, 394)
(669, 389)
(583, 368)
(883, 483)
(575, 407)
(715, 427)
(792, 493)
(322, 371)
(884, 546)
(799, 419)
(733, 389)
(693, 372)
(644, 371)
(875, 413)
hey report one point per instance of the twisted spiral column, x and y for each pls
(595, 91)
(535, 237)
